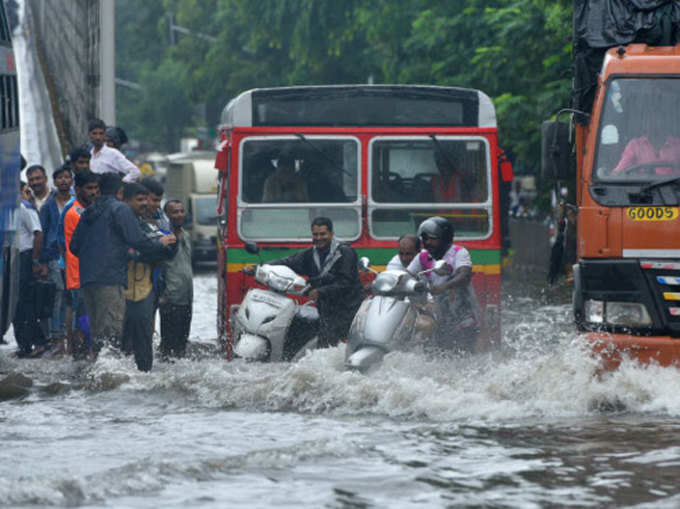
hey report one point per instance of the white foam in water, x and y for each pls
(537, 374)
(547, 381)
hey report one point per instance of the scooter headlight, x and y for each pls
(630, 314)
(279, 283)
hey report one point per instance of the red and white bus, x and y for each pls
(370, 157)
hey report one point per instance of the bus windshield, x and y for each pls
(287, 181)
(639, 136)
(414, 178)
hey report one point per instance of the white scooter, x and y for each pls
(390, 320)
(268, 325)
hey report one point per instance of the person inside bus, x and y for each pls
(447, 184)
(333, 274)
(322, 180)
(285, 185)
(456, 307)
(257, 168)
(657, 144)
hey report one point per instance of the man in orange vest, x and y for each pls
(87, 191)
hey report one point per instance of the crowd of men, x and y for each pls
(98, 257)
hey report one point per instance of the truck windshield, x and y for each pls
(639, 136)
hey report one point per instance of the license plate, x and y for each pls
(652, 213)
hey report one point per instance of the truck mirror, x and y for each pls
(364, 264)
(555, 150)
(252, 248)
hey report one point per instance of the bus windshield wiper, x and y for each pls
(326, 156)
(440, 150)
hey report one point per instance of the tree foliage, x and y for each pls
(517, 51)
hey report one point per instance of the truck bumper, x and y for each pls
(612, 349)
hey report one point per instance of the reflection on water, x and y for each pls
(528, 426)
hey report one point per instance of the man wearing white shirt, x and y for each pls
(106, 159)
(28, 332)
(409, 246)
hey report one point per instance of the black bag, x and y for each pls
(43, 298)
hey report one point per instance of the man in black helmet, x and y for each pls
(456, 307)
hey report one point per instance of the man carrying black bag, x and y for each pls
(29, 330)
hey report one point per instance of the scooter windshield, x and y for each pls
(279, 283)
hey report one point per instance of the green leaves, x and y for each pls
(517, 51)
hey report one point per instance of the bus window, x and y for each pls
(313, 170)
(421, 171)
(308, 177)
(407, 174)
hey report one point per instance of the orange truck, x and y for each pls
(624, 132)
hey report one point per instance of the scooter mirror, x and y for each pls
(252, 248)
(364, 264)
(441, 268)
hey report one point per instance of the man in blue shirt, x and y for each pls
(51, 263)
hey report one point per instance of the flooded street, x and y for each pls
(529, 426)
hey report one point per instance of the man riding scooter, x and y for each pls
(457, 312)
(333, 275)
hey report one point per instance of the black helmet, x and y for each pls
(437, 227)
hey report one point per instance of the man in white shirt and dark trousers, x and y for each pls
(106, 159)
(27, 330)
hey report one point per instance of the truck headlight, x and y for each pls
(631, 314)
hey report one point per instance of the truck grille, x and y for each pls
(664, 277)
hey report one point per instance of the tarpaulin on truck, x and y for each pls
(602, 24)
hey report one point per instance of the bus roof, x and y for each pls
(360, 106)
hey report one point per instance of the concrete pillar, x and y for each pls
(107, 61)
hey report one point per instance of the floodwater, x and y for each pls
(529, 426)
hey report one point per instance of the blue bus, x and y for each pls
(10, 167)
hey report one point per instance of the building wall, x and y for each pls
(68, 39)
